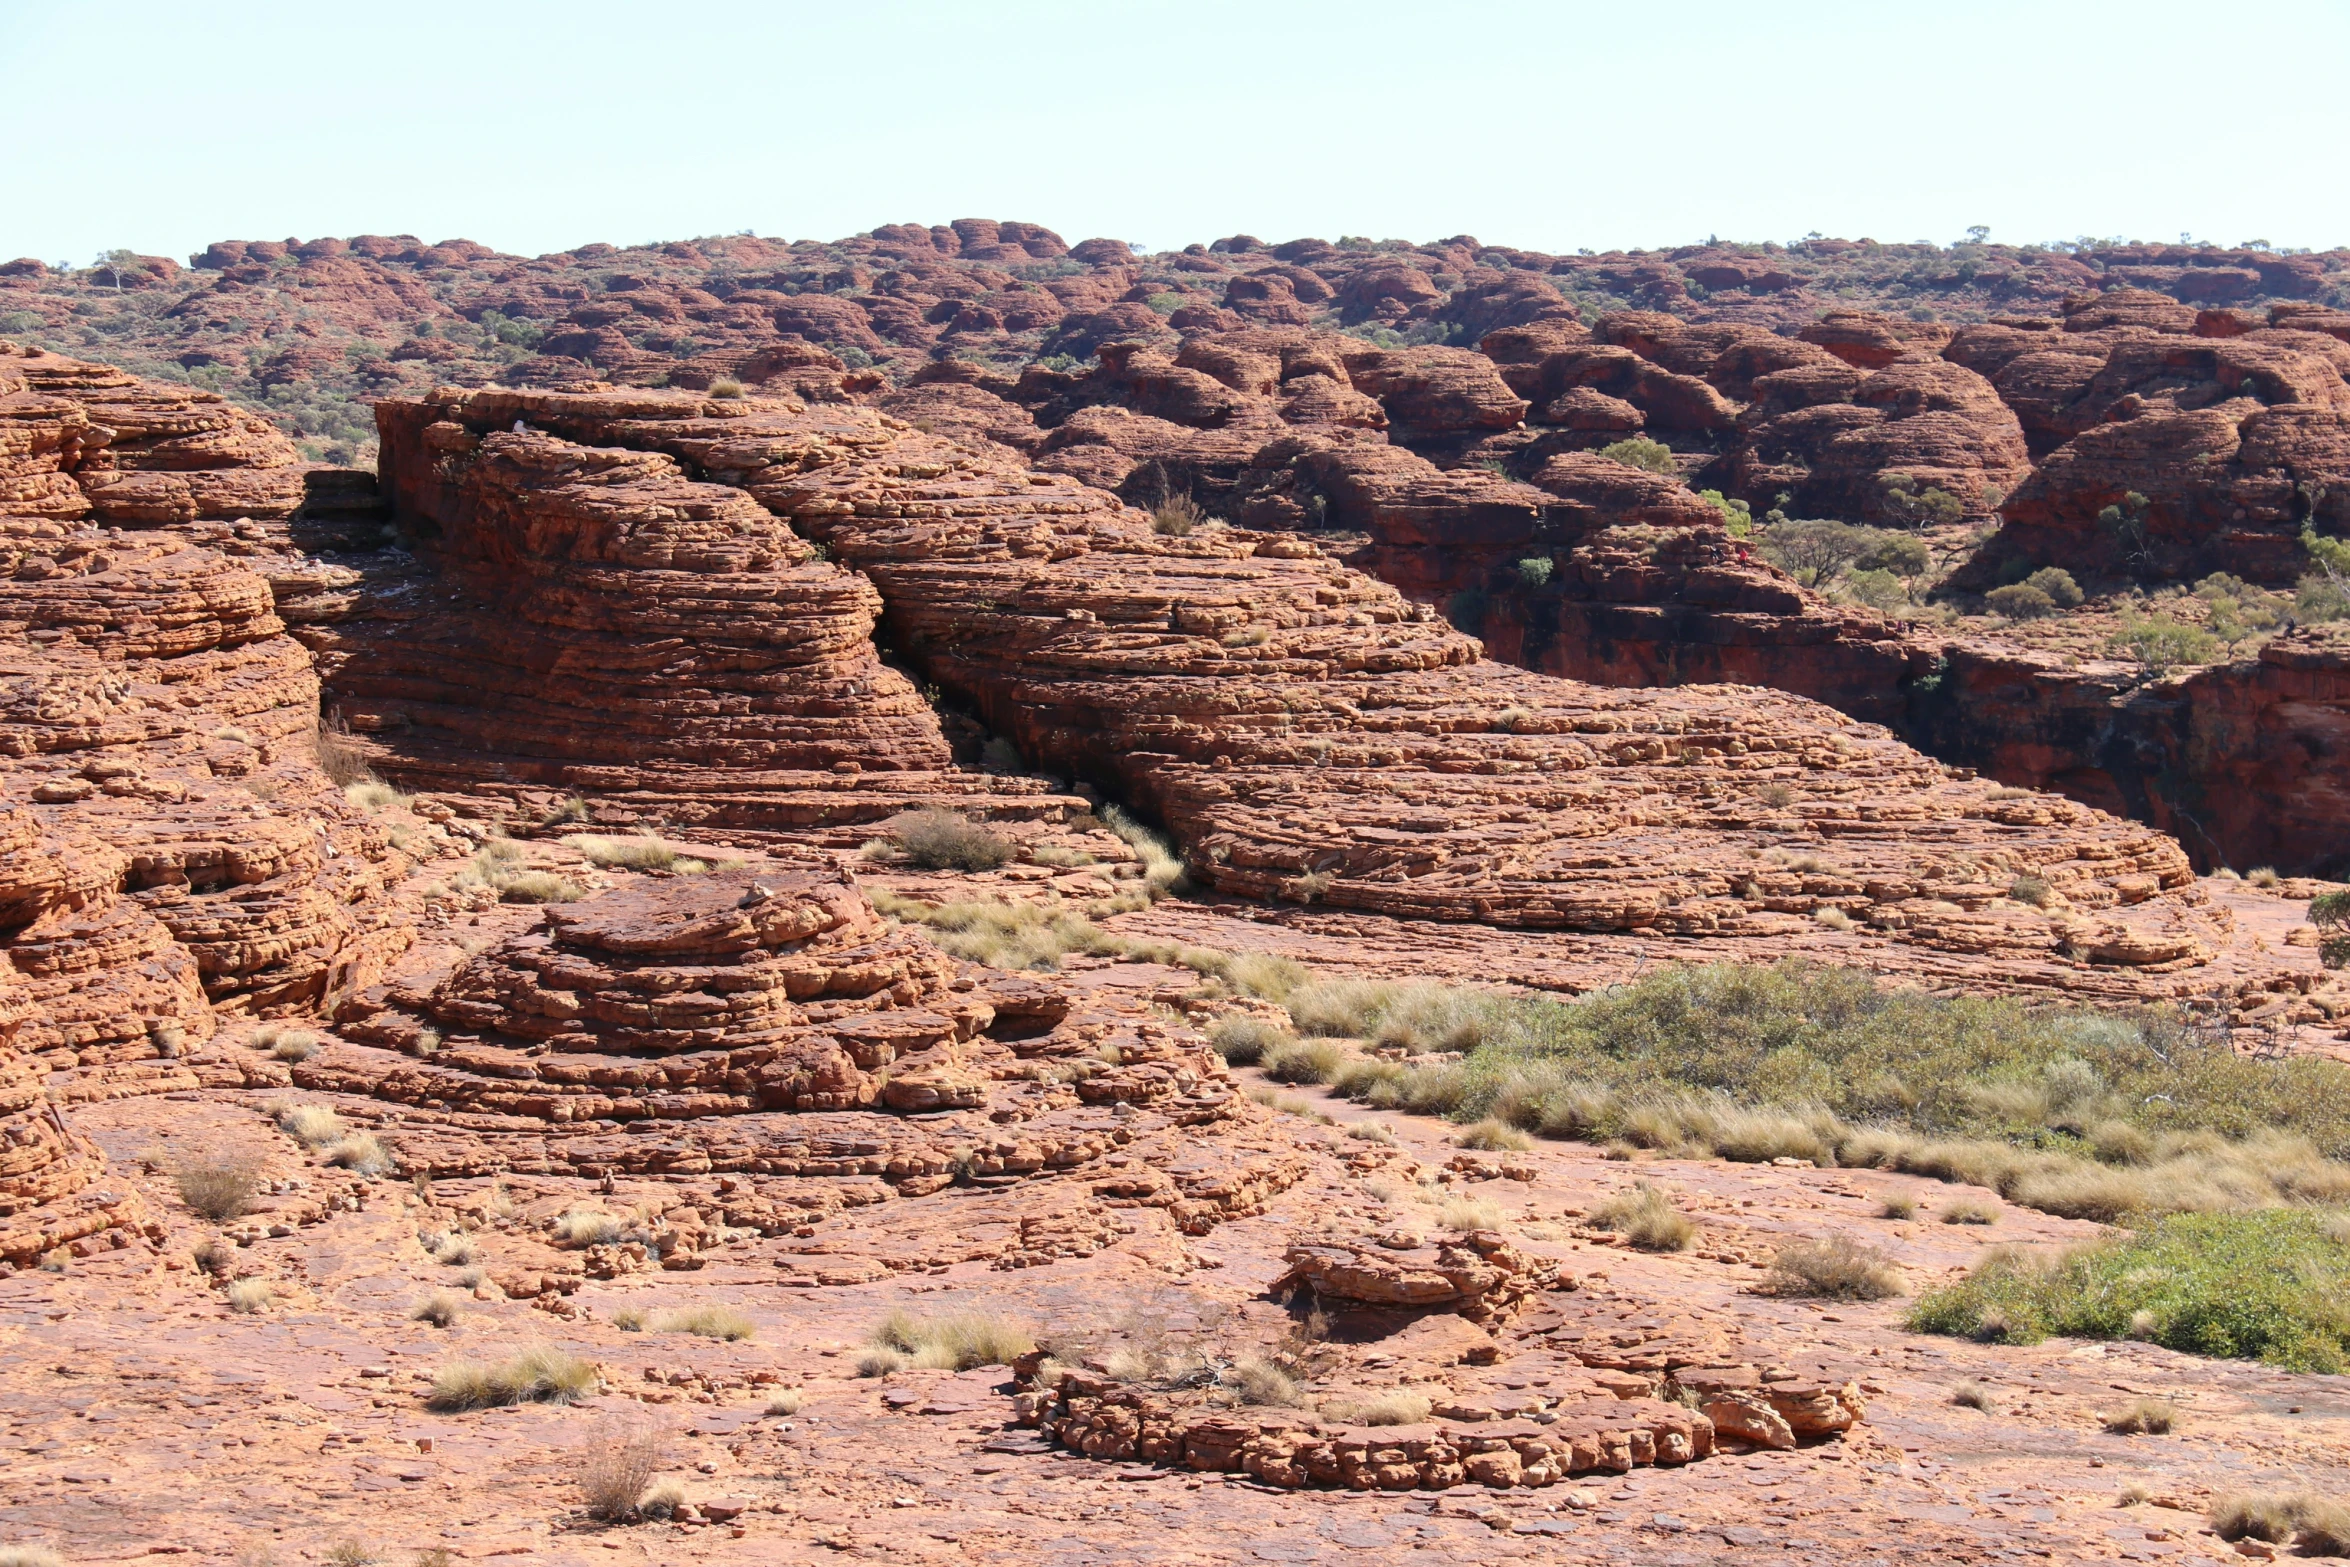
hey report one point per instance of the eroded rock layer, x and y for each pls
(1311, 734)
(173, 843)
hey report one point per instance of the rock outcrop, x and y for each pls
(174, 839)
(1310, 734)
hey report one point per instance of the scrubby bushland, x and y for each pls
(2081, 1113)
(2272, 1285)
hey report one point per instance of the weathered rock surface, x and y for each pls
(1308, 733)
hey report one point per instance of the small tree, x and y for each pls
(2330, 913)
(1641, 452)
(1919, 508)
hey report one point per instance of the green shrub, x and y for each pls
(2318, 599)
(1902, 500)
(1879, 590)
(2020, 601)
(2267, 1285)
(1641, 452)
(2057, 583)
(1535, 571)
(2161, 643)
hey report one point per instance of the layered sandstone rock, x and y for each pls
(1310, 734)
(174, 841)
(577, 620)
(88, 440)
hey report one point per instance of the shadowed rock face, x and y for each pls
(1310, 733)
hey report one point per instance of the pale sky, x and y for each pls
(539, 127)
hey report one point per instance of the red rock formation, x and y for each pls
(162, 727)
(1310, 734)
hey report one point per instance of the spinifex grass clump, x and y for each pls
(2272, 1285)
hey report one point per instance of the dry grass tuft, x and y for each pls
(881, 1362)
(644, 852)
(286, 1044)
(29, 1556)
(953, 1343)
(441, 1308)
(1466, 1214)
(1897, 1205)
(310, 1125)
(360, 1154)
(1244, 1041)
(536, 1376)
(1968, 1210)
(2142, 1417)
(1492, 1137)
(1973, 1393)
(788, 1402)
(453, 1251)
(1393, 1408)
(219, 1186)
(1304, 1061)
(719, 1322)
(247, 1296)
(589, 1227)
(1254, 1379)
(2256, 1517)
(1836, 1268)
(616, 1468)
(1646, 1217)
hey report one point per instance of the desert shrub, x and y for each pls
(948, 840)
(1641, 452)
(1255, 1379)
(2020, 601)
(726, 388)
(246, 1296)
(1244, 1040)
(1646, 1217)
(1777, 796)
(1178, 516)
(719, 1322)
(2161, 643)
(1493, 1136)
(953, 1343)
(2265, 1285)
(1304, 1061)
(1737, 516)
(616, 1469)
(2319, 599)
(1394, 1408)
(2141, 1417)
(1895, 554)
(1534, 571)
(440, 1308)
(218, 1186)
(1814, 551)
(1836, 1267)
(536, 1376)
(2330, 913)
(644, 852)
(1879, 590)
(2057, 584)
(2031, 890)
(338, 758)
(1904, 501)
(1412, 1016)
